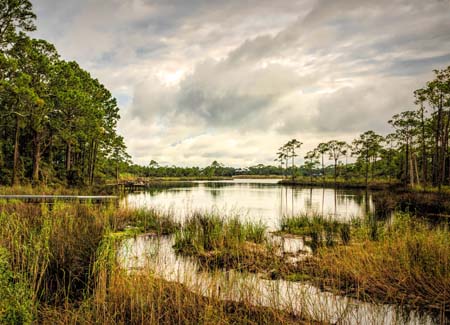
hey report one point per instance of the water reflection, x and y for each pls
(258, 200)
(156, 253)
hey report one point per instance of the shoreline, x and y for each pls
(342, 184)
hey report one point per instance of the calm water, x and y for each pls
(266, 201)
(257, 200)
(148, 252)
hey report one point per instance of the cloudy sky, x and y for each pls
(204, 80)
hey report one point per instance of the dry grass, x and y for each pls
(66, 259)
(407, 265)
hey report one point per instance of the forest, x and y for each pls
(416, 152)
(58, 123)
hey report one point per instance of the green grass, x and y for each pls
(207, 232)
(318, 230)
(225, 243)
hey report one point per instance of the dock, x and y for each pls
(60, 198)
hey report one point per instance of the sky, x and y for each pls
(232, 81)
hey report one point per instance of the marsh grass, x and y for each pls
(58, 266)
(52, 248)
(317, 231)
(151, 220)
(60, 262)
(123, 297)
(16, 305)
(226, 243)
(207, 232)
(406, 262)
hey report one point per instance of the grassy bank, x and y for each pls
(174, 179)
(428, 204)
(341, 183)
(404, 262)
(258, 176)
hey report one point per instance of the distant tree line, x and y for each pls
(416, 152)
(216, 169)
(58, 124)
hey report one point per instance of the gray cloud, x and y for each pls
(235, 79)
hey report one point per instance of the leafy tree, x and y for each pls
(283, 154)
(336, 150)
(436, 95)
(366, 148)
(15, 16)
(405, 125)
(291, 147)
(321, 149)
(311, 161)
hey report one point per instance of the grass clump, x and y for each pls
(152, 220)
(225, 243)
(207, 232)
(317, 230)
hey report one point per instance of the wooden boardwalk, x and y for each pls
(60, 198)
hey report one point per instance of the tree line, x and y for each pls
(416, 152)
(215, 169)
(58, 123)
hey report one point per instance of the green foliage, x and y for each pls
(59, 123)
(16, 305)
(15, 16)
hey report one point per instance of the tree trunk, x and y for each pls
(437, 159)
(445, 149)
(416, 169)
(286, 173)
(424, 155)
(407, 171)
(372, 166)
(335, 170)
(16, 153)
(90, 160)
(293, 165)
(411, 169)
(367, 168)
(323, 170)
(94, 160)
(117, 173)
(68, 157)
(36, 156)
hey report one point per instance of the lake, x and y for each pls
(256, 200)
